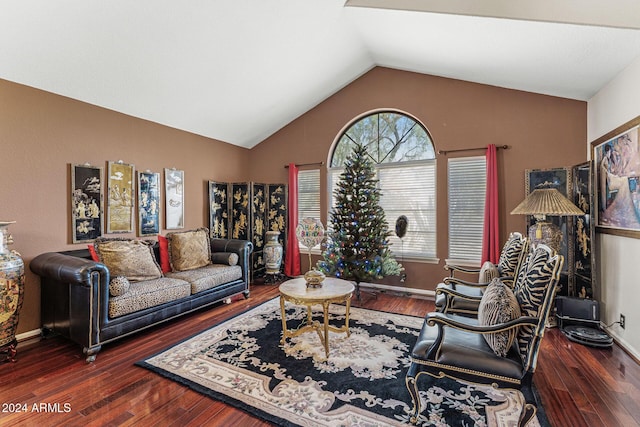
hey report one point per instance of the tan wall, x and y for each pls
(41, 134)
(542, 131)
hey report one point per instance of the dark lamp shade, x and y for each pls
(546, 201)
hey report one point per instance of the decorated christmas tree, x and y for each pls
(357, 244)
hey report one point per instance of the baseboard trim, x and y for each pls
(420, 293)
(623, 344)
(29, 337)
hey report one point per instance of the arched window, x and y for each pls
(403, 152)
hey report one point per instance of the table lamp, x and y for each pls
(543, 202)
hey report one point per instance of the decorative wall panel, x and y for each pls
(278, 218)
(583, 233)
(258, 227)
(219, 209)
(240, 228)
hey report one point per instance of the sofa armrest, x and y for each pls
(241, 247)
(67, 268)
(75, 297)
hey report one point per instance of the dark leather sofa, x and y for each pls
(75, 297)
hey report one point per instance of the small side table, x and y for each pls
(332, 291)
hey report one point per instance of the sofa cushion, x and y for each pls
(132, 259)
(208, 277)
(498, 305)
(148, 293)
(228, 258)
(119, 285)
(189, 249)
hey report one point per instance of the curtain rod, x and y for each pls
(445, 152)
(306, 164)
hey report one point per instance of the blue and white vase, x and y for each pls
(272, 252)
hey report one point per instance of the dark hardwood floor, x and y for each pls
(579, 386)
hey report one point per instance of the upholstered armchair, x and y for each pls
(459, 296)
(500, 347)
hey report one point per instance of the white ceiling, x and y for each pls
(239, 70)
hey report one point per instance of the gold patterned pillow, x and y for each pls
(132, 259)
(189, 249)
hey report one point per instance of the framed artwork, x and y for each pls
(218, 209)
(121, 194)
(86, 203)
(616, 158)
(148, 203)
(559, 178)
(174, 196)
(583, 232)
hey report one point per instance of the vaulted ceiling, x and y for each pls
(239, 70)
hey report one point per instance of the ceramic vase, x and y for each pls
(11, 293)
(272, 252)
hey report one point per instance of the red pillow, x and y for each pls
(92, 252)
(165, 265)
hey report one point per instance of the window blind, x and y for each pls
(407, 189)
(309, 194)
(467, 178)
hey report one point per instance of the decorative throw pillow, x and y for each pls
(189, 249)
(488, 272)
(229, 258)
(92, 252)
(119, 285)
(510, 255)
(132, 259)
(163, 245)
(498, 305)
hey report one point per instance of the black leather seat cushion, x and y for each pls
(468, 351)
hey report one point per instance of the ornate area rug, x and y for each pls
(362, 383)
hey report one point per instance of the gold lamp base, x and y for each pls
(314, 278)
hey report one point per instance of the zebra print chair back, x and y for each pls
(535, 289)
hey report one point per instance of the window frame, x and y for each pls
(333, 171)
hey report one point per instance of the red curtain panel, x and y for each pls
(292, 257)
(491, 233)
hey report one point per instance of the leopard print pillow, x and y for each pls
(119, 285)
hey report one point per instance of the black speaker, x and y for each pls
(577, 308)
